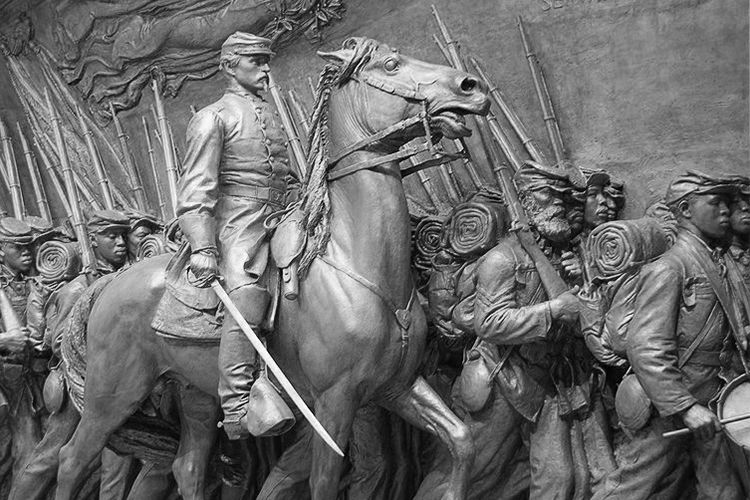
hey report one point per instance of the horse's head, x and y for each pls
(379, 87)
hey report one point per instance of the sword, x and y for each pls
(275, 369)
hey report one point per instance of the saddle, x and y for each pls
(192, 314)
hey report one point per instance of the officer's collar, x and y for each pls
(246, 95)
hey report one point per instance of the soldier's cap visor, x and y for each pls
(17, 240)
(109, 227)
(696, 183)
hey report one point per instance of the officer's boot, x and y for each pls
(263, 411)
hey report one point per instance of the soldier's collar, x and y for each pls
(737, 251)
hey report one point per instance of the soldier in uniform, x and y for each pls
(738, 254)
(235, 173)
(681, 347)
(509, 309)
(21, 429)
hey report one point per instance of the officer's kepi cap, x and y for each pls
(694, 182)
(246, 44)
(102, 220)
(16, 231)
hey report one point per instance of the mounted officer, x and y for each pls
(235, 173)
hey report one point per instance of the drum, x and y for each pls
(733, 401)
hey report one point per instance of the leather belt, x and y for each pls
(701, 357)
(268, 194)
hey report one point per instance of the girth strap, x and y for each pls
(403, 316)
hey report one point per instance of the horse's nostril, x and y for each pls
(468, 84)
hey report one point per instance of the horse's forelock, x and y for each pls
(363, 49)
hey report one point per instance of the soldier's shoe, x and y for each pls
(267, 413)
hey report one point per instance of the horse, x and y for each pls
(355, 334)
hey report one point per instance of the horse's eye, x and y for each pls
(391, 64)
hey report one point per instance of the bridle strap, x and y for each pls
(401, 154)
(396, 127)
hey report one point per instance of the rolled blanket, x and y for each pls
(151, 246)
(620, 246)
(58, 261)
(474, 228)
(427, 240)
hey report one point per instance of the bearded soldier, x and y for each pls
(681, 345)
(236, 172)
(508, 307)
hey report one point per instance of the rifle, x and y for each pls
(510, 114)
(96, 161)
(553, 283)
(313, 90)
(299, 112)
(169, 153)
(177, 159)
(35, 176)
(152, 162)
(59, 189)
(300, 158)
(87, 253)
(542, 93)
(134, 177)
(19, 209)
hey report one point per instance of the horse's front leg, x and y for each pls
(198, 418)
(422, 407)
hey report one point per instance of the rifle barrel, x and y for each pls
(16, 195)
(510, 114)
(77, 214)
(52, 174)
(299, 111)
(154, 171)
(169, 153)
(134, 177)
(101, 175)
(542, 93)
(35, 176)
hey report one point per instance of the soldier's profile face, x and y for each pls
(740, 216)
(110, 246)
(596, 210)
(252, 73)
(17, 257)
(710, 214)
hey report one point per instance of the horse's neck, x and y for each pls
(370, 225)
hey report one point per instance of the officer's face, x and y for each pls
(595, 211)
(109, 245)
(17, 257)
(252, 73)
(710, 214)
(135, 237)
(740, 216)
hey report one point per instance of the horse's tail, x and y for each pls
(74, 335)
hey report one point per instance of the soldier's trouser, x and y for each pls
(647, 460)
(237, 356)
(552, 475)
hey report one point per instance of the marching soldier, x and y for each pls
(739, 248)
(680, 345)
(141, 225)
(18, 397)
(235, 173)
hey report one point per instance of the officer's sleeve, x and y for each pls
(497, 316)
(651, 341)
(198, 189)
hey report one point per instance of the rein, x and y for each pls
(403, 153)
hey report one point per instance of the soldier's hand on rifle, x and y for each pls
(703, 422)
(565, 307)
(14, 341)
(571, 264)
(204, 267)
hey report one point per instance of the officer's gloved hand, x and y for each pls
(203, 267)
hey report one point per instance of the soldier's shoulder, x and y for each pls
(503, 256)
(670, 263)
(207, 119)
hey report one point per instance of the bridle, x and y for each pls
(438, 155)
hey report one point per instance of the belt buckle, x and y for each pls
(276, 196)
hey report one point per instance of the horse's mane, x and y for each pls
(315, 202)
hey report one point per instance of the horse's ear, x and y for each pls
(340, 57)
